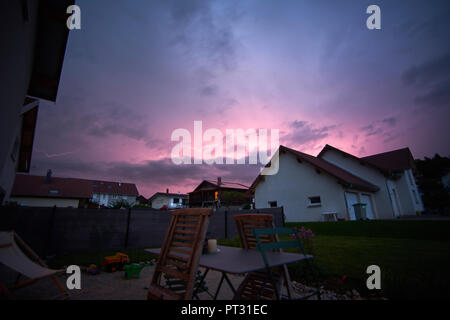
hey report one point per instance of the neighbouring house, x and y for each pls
(315, 188)
(142, 200)
(48, 191)
(31, 60)
(219, 194)
(168, 200)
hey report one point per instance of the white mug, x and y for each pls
(212, 246)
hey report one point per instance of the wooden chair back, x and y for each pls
(245, 223)
(249, 289)
(180, 254)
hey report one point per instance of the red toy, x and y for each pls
(115, 262)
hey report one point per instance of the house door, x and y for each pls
(351, 198)
(365, 198)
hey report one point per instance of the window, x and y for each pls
(176, 200)
(53, 192)
(273, 204)
(314, 201)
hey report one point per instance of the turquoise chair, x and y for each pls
(263, 247)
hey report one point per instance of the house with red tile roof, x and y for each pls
(328, 186)
(48, 191)
(219, 193)
(168, 200)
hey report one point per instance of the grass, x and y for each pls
(414, 256)
(418, 230)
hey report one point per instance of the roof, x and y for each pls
(166, 194)
(340, 174)
(35, 186)
(50, 46)
(396, 160)
(386, 162)
(213, 185)
(226, 184)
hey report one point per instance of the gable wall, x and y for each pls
(406, 186)
(292, 186)
(383, 196)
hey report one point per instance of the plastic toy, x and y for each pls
(115, 262)
(133, 269)
(93, 270)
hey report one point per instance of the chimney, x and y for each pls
(219, 181)
(167, 190)
(48, 178)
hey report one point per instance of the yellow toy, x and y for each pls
(115, 262)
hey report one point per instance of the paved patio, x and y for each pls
(113, 286)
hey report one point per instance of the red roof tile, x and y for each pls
(387, 161)
(35, 186)
(225, 184)
(167, 194)
(400, 159)
(341, 175)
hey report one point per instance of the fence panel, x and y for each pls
(54, 230)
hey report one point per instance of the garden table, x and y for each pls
(240, 261)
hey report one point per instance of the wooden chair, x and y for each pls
(18, 256)
(255, 285)
(180, 254)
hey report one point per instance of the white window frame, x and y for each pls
(316, 204)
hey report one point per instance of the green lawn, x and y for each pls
(414, 256)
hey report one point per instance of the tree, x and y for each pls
(118, 204)
(436, 196)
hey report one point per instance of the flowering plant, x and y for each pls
(306, 236)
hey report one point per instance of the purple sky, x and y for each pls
(137, 70)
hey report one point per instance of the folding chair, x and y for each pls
(260, 234)
(179, 255)
(249, 289)
(17, 255)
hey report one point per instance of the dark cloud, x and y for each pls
(431, 80)
(438, 95)
(391, 121)
(382, 129)
(114, 118)
(303, 132)
(209, 90)
(207, 31)
(152, 174)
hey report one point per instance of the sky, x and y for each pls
(138, 70)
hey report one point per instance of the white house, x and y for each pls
(170, 200)
(316, 188)
(48, 191)
(31, 60)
